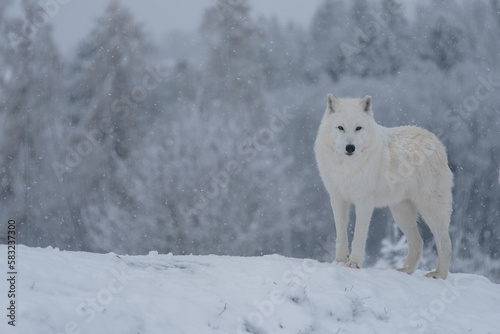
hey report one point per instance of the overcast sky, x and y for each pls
(75, 19)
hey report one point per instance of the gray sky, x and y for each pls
(74, 20)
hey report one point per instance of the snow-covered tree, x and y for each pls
(30, 114)
(444, 44)
(108, 95)
(232, 73)
(328, 30)
(284, 54)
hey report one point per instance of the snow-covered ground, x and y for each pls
(74, 292)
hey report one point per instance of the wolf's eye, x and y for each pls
(341, 128)
(358, 128)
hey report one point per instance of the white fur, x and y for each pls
(405, 168)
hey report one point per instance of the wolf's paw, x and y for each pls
(341, 259)
(352, 264)
(436, 274)
(405, 270)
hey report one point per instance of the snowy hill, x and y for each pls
(72, 292)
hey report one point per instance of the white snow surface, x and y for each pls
(77, 292)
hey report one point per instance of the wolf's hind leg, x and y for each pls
(405, 214)
(437, 216)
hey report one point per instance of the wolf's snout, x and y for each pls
(350, 149)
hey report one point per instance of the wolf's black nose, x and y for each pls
(350, 149)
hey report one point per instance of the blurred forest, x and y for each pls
(203, 143)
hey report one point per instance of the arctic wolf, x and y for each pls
(368, 165)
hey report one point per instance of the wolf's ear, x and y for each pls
(366, 103)
(332, 104)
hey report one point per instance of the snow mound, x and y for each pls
(75, 292)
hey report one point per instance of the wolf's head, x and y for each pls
(349, 124)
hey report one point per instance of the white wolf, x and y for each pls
(368, 165)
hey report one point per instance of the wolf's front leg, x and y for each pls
(364, 213)
(341, 216)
